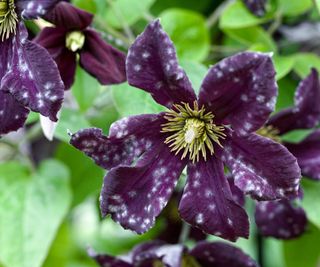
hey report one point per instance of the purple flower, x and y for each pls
(29, 78)
(256, 7)
(147, 153)
(204, 254)
(73, 36)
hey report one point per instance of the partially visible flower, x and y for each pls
(147, 153)
(29, 78)
(257, 7)
(158, 254)
(73, 36)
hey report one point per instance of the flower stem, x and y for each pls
(184, 233)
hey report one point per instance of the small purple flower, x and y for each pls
(257, 7)
(147, 153)
(204, 254)
(72, 36)
(29, 78)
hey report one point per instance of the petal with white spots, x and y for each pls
(241, 91)
(280, 219)
(152, 66)
(261, 167)
(208, 204)
(34, 9)
(129, 138)
(135, 195)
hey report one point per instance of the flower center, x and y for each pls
(193, 131)
(270, 132)
(75, 41)
(8, 19)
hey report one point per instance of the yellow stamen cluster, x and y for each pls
(193, 131)
(75, 40)
(8, 19)
(270, 132)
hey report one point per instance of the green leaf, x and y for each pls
(294, 7)
(85, 89)
(236, 16)
(304, 62)
(283, 65)
(132, 101)
(287, 88)
(254, 36)
(304, 251)
(124, 12)
(311, 200)
(88, 5)
(296, 136)
(188, 32)
(317, 3)
(70, 120)
(32, 206)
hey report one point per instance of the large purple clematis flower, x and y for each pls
(29, 78)
(204, 254)
(284, 219)
(256, 7)
(147, 153)
(73, 36)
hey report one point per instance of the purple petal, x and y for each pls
(307, 153)
(129, 138)
(12, 114)
(207, 202)
(237, 194)
(34, 9)
(257, 7)
(152, 66)
(220, 254)
(33, 77)
(69, 17)
(261, 167)
(306, 112)
(109, 261)
(280, 219)
(102, 60)
(134, 196)
(241, 91)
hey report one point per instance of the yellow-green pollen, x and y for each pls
(8, 19)
(75, 40)
(193, 131)
(270, 132)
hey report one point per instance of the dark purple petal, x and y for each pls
(109, 261)
(261, 167)
(257, 7)
(306, 112)
(33, 77)
(280, 219)
(134, 196)
(220, 254)
(129, 138)
(241, 91)
(33, 9)
(207, 202)
(307, 153)
(67, 16)
(12, 114)
(152, 66)
(237, 194)
(101, 60)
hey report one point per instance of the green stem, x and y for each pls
(214, 17)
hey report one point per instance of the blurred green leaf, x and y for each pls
(304, 62)
(32, 207)
(311, 200)
(273, 253)
(303, 251)
(132, 101)
(198, 6)
(88, 5)
(287, 89)
(188, 32)
(283, 65)
(70, 120)
(236, 16)
(296, 136)
(85, 89)
(33, 117)
(317, 3)
(124, 12)
(293, 7)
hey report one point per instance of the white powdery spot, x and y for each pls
(137, 67)
(199, 218)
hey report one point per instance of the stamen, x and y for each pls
(270, 132)
(193, 131)
(75, 41)
(8, 19)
